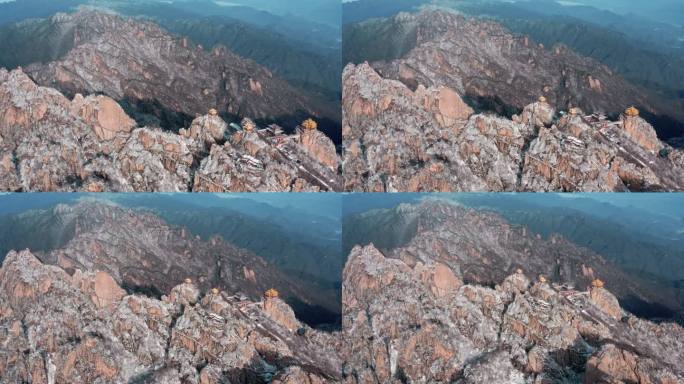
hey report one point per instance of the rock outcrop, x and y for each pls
(49, 143)
(281, 313)
(605, 301)
(640, 131)
(53, 332)
(319, 147)
(398, 139)
(103, 114)
(397, 328)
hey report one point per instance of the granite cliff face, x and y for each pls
(427, 139)
(59, 327)
(420, 323)
(467, 299)
(165, 76)
(51, 143)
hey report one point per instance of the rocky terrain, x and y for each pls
(463, 297)
(496, 69)
(421, 323)
(469, 299)
(484, 248)
(59, 326)
(51, 143)
(427, 138)
(165, 76)
(143, 253)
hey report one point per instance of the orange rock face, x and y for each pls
(441, 280)
(641, 132)
(445, 103)
(105, 115)
(605, 301)
(319, 146)
(102, 289)
(281, 313)
(451, 106)
(106, 289)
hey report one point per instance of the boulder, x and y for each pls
(104, 115)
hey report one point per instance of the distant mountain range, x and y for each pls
(127, 59)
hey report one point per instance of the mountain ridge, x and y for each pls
(487, 245)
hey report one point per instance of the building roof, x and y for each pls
(309, 124)
(271, 293)
(632, 112)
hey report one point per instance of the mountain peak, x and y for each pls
(398, 323)
(402, 136)
(90, 143)
(87, 328)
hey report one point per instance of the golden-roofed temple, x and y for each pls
(632, 112)
(215, 291)
(271, 293)
(542, 99)
(213, 112)
(574, 111)
(309, 124)
(542, 279)
(188, 281)
(519, 271)
(597, 283)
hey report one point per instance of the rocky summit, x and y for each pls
(143, 253)
(445, 308)
(484, 248)
(497, 69)
(81, 326)
(482, 301)
(164, 76)
(422, 324)
(426, 138)
(51, 143)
